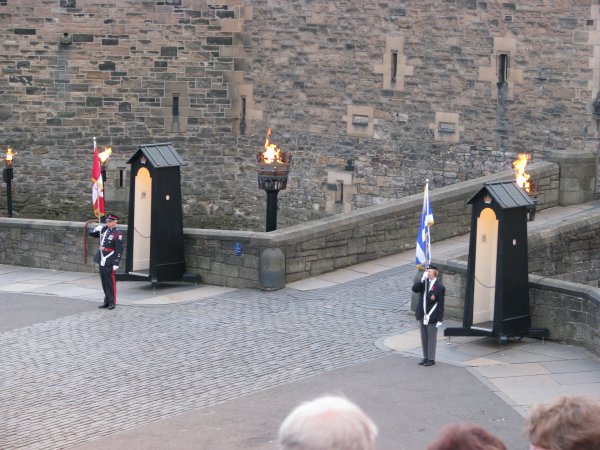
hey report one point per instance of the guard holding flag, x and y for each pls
(430, 312)
(430, 307)
(108, 257)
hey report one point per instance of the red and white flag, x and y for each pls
(97, 185)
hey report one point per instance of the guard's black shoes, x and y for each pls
(111, 306)
(422, 363)
(103, 306)
(429, 363)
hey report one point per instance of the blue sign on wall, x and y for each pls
(237, 248)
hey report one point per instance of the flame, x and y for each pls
(8, 157)
(521, 177)
(272, 153)
(105, 154)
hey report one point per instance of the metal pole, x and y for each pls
(9, 198)
(271, 210)
(7, 174)
(103, 173)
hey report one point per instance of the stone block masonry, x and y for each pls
(310, 249)
(404, 92)
(568, 252)
(47, 244)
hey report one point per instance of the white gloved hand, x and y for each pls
(439, 324)
(115, 268)
(98, 228)
(424, 277)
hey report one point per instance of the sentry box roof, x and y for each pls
(159, 155)
(507, 193)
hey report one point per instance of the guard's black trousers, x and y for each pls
(109, 284)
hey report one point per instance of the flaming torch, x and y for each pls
(273, 169)
(103, 156)
(522, 180)
(521, 177)
(8, 175)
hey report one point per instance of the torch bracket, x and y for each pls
(273, 177)
(272, 182)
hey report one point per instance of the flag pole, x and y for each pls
(97, 185)
(428, 253)
(99, 216)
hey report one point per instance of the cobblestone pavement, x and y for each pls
(91, 374)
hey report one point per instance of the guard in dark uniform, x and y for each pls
(108, 257)
(430, 312)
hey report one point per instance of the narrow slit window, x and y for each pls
(339, 191)
(447, 127)
(359, 120)
(121, 177)
(243, 117)
(175, 106)
(394, 66)
(502, 68)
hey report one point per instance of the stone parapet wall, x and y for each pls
(568, 251)
(570, 311)
(309, 249)
(212, 254)
(47, 244)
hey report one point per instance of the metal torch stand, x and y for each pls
(272, 210)
(272, 184)
(7, 174)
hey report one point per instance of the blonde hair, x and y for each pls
(567, 423)
(327, 423)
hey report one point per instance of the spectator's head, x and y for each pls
(465, 436)
(567, 423)
(327, 423)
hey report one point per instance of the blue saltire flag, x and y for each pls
(423, 237)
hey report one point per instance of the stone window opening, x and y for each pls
(339, 192)
(175, 106)
(447, 127)
(503, 68)
(243, 116)
(394, 66)
(359, 120)
(121, 177)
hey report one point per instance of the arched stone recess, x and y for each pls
(394, 67)
(446, 127)
(502, 68)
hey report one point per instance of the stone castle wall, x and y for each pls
(371, 98)
(309, 249)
